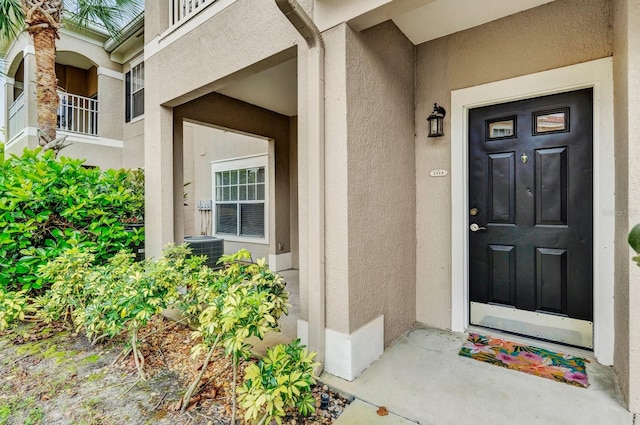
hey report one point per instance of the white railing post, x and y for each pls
(16, 117)
(78, 114)
(182, 10)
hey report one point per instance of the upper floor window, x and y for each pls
(134, 87)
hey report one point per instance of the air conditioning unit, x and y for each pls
(210, 246)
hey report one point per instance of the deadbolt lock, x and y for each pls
(473, 211)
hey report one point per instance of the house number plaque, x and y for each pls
(438, 173)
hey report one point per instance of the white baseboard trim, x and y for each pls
(280, 262)
(347, 356)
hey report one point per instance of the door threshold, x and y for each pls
(535, 342)
(564, 330)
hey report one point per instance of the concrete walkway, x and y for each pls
(361, 413)
(423, 379)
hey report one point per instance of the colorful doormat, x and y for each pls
(528, 359)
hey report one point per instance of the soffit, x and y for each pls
(73, 59)
(443, 17)
(275, 89)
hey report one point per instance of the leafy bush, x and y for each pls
(283, 378)
(634, 242)
(118, 296)
(49, 204)
(67, 297)
(13, 306)
(245, 299)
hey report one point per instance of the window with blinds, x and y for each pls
(134, 92)
(240, 202)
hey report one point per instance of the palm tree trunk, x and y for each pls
(44, 42)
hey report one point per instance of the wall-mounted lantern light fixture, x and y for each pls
(436, 121)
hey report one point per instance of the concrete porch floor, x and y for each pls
(422, 378)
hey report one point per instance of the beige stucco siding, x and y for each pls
(622, 263)
(133, 142)
(381, 178)
(90, 49)
(547, 37)
(293, 191)
(111, 107)
(336, 181)
(94, 154)
(627, 138)
(222, 49)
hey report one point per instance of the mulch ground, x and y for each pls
(48, 375)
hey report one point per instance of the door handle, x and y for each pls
(474, 227)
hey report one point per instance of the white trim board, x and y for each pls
(71, 137)
(596, 74)
(110, 73)
(280, 262)
(348, 355)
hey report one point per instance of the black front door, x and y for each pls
(531, 216)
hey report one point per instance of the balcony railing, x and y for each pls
(182, 10)
(78, 114)
(16, 117)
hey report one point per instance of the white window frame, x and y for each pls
(139, 61)
(252, 161)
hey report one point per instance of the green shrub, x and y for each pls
(13, 307)
(283, 378)
(67, 297)
(118, 296)
(245, 299)
(49, 204)
(634, 242)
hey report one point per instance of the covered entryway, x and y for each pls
(531, 217)
(595, 76)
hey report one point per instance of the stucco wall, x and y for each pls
(557, 34)
(192, 75)
(293, 190)
(627, 136)
(381, 178)
(229, 113)
(91, 49)
(336, 181)
(97, 155)
(133, 143)
(621, 69)
(111, 107)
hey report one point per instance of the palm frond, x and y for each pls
(113, 15)
(11, 19)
